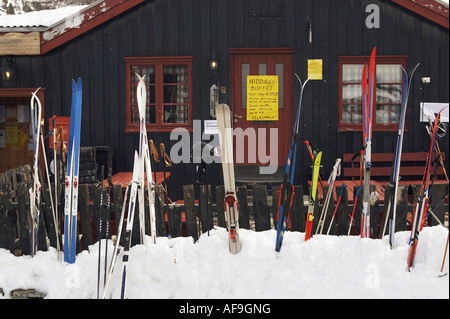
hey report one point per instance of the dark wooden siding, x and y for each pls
(196, 27)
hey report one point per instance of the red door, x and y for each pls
(262, 143)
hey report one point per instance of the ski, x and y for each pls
(421, 206)
(392, 202)
(335, 172)
(35, 191)
(231, 206)
(287, 187)
(145, 153)
(130, 217)
(71, 184)
(312, 195)
(367, 108)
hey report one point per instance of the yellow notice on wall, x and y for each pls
(262, 98)
(315, 69)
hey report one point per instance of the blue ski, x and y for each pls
(71, 188)
(287, 187)
(392, 203)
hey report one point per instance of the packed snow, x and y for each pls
(323, 267)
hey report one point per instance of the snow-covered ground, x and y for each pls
(323, 267)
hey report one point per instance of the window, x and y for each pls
(388, 89)
(169, 92)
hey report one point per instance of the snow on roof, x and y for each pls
(43, 18)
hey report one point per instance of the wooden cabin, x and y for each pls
(174, 42)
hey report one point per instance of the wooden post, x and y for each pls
(298, 217)
(358, 210)
(6, 224)
(205, 208)
(174, 220)
(438, 191)
(342, 212)
(46, 208)
(160, 211)
(244, 219)
(118, 204)
(260, 208)
(189, 211)
(220, 197)
(85, 215)
(23, 207)
(374, 206)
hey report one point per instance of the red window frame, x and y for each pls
(342, 60)
(158, 63)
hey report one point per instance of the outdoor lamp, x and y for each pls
(213, 62)
(7, 70)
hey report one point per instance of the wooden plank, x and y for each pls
(6, 225)
(205, 208)
(261, 210)
(20, 43)
(438, 191)
(85, 215)
(48, 213)
(298, 217)
(160, 211)
(244, 217)
(174, 220)
(342, 212)
(23, 207)
(220, 197)
(189, 209)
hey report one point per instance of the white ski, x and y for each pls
(231, 206)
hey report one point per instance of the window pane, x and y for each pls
(351, 93)
(389, 93)
(150, 115)
(150, 94)
(351, 114)
(388, 114)
(175, 74)
(279, 70)
(262, 69)
(176, 94)
(176, 114)
(147, 70)
(245, 71)
(389, 73)
(352, 73)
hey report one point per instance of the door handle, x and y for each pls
(237, 116)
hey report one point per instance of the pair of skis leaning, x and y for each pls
(71, 181)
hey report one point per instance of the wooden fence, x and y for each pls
(188, 217)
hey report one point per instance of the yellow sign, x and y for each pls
(315, 69)
(262, 98)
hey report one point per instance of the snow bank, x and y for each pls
(323, 267)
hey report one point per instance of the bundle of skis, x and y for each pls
(142, 171)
